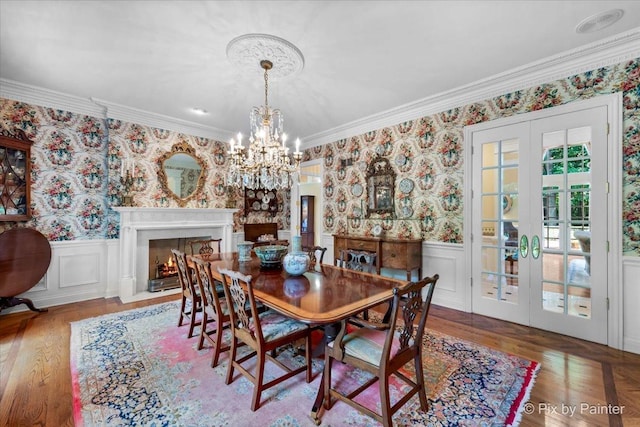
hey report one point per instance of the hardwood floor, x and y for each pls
(591, 380)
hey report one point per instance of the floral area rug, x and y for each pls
(138, 368)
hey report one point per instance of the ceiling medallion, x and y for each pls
(248, 50)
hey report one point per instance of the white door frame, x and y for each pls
(613, 102)
(294, 203)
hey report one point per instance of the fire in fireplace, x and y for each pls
(166, 269)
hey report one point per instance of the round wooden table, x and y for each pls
(25, 255)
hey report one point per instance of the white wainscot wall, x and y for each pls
(79, 271)
(631, 298)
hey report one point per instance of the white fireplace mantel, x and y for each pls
(139, 225)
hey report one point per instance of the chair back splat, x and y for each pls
(264, 332)
(205, 247)
(379, 349)
(357, 260)
(316, 254)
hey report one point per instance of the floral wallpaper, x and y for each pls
(428, 160)
(68, 171)
(77, 163)
(76, 168)
(143, 145)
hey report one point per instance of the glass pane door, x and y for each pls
(569, 281)
(498, 206)
(566, 192)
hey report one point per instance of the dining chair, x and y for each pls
(215, 310)
(263, 332)
(206, 246)
(190, 293)
(382, 351)
(316, 254)
(359, 261)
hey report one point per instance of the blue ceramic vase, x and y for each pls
(296, 262)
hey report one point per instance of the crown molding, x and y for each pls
(134, 115)
(605, 52)
(95, 107)
(35, 95)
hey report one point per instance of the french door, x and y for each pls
(539, 223)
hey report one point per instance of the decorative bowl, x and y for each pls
(271, 255)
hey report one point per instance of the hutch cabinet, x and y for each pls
(15, 176)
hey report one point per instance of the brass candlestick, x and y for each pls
(127, 183)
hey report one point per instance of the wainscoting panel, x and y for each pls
(79, 269)
(631, 297)
(77, 272)
(447, 260)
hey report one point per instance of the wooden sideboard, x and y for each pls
(401, 254)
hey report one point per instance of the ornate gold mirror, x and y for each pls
(181, 173)
(381, 179)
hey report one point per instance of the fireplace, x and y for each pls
(163, 272)
(140, 226)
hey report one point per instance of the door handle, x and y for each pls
(535, 247)
(524, 246)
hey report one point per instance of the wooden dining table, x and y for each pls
(323, 296)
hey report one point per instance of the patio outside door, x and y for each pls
(539, 200)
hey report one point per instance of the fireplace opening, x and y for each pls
(163, 272)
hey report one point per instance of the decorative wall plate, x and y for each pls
(251, 194)
(377, 230)
(406, 185)
(356, 190)
(256, 206)
(407, 211)
(401, 159)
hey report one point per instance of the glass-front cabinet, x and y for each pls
(15, 172)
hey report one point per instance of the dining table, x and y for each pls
(323, 296)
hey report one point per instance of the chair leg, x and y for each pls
(257, 387)
(232, 359)
(216, 350)
(424, 405)
(203, 329)
(385, 403)
(183, 306)
(192, 323)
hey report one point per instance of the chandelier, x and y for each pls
(265, 162)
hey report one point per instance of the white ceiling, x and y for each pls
(361, 57)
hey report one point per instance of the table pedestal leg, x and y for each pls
(330, 333)
(13, 301)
